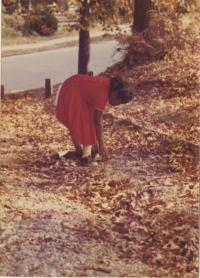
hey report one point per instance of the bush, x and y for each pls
(41, 21)
(11, 24)
(10, 5)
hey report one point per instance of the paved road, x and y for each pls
(23, 72)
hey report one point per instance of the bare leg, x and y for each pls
(95, 150)
(78, 147)
(87, 151)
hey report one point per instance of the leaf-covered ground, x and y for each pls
(135, 215)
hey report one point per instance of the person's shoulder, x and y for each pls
(101, 77)
(97, 78)
(101, 80)
(78, 76)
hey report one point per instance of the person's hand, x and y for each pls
(103, 152)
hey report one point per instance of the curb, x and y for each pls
(14, 52)
(62, 42)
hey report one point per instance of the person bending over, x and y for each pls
(81, 101)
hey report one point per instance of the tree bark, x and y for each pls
(25, 4)
(140, 15)
(84, 51)
(84, 39)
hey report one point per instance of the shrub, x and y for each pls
(42, 21)
(11, 24)
(10, 5)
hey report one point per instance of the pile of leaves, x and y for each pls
(166, 94)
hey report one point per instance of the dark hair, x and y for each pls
(122, 89)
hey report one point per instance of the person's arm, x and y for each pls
(98, 115)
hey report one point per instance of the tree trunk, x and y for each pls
(25, 4)
(84, 51)
(141, 18)
(84, 39)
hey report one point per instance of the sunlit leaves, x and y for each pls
(141, 204)
(106, 12)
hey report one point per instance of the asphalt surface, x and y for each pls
(28, 71)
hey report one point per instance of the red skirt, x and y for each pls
(79, 96)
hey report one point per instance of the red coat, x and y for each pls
(79, 96)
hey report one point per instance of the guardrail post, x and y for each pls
(48, 88)
(90, 73)
(2, 92)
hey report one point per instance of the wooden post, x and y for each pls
(47, 88)
(90, 73)
(2, 92)
(140, 14)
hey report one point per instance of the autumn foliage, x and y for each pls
(134, 215)
(170, 29)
